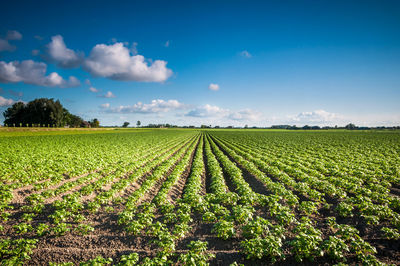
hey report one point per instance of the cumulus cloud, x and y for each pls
(58, 53)
(212, 111)
(116, 62)
(105, 105)
(245, 54)
(93, 89)
(12, 35)
(109, 94)
(208, 111)
(6, 102)
(6, 46)
(155, 106)
(245, 115)
(213, 87)
(316, 117)
(31, 72)
(134, 48)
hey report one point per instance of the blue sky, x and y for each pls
(206, 62)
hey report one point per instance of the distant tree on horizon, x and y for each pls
(350, 126)
(40, 112)
(126, 124)
(138, 123)
(94, 123)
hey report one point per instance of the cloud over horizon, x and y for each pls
(155, 106)
(212, 111)
(207, 110)
(31, 72)
(316, 117)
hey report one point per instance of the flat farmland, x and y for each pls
(198, 197)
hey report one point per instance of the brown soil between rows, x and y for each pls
(177, 189)
(20, 194)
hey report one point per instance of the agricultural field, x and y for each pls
(192, 197)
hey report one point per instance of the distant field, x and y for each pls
(190, 197)
(36, 131)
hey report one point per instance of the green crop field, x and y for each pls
(193, 197)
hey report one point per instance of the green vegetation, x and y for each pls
(195, 197)
(43, 112)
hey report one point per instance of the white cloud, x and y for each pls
(208, 111)
(324, 118)
(6, 102)
(109, 94)
(374, 119)
(87, 82)
(58, 53)
(32, 72)
(315, 117)
(156, 106)
(116, 62)
(245, 115)
(93, 89)
(73, 82)
(105, 105)
(211, 111)
(12, 35)
(6, 46)
(245, 54)
(213, 87)
(134, 48)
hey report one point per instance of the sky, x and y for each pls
(255, 63)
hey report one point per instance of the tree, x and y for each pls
(126, 124)
(350, 126)
(73, 120)
(94, 123)
(40, 111)
(138, 123)
(43, 112)
(15, 114)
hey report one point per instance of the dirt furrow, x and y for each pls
(177, 189)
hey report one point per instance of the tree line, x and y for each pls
(44, 112)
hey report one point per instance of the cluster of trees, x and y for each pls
(44, 112)
(160, 126)
(350, 126)
(126, 124)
